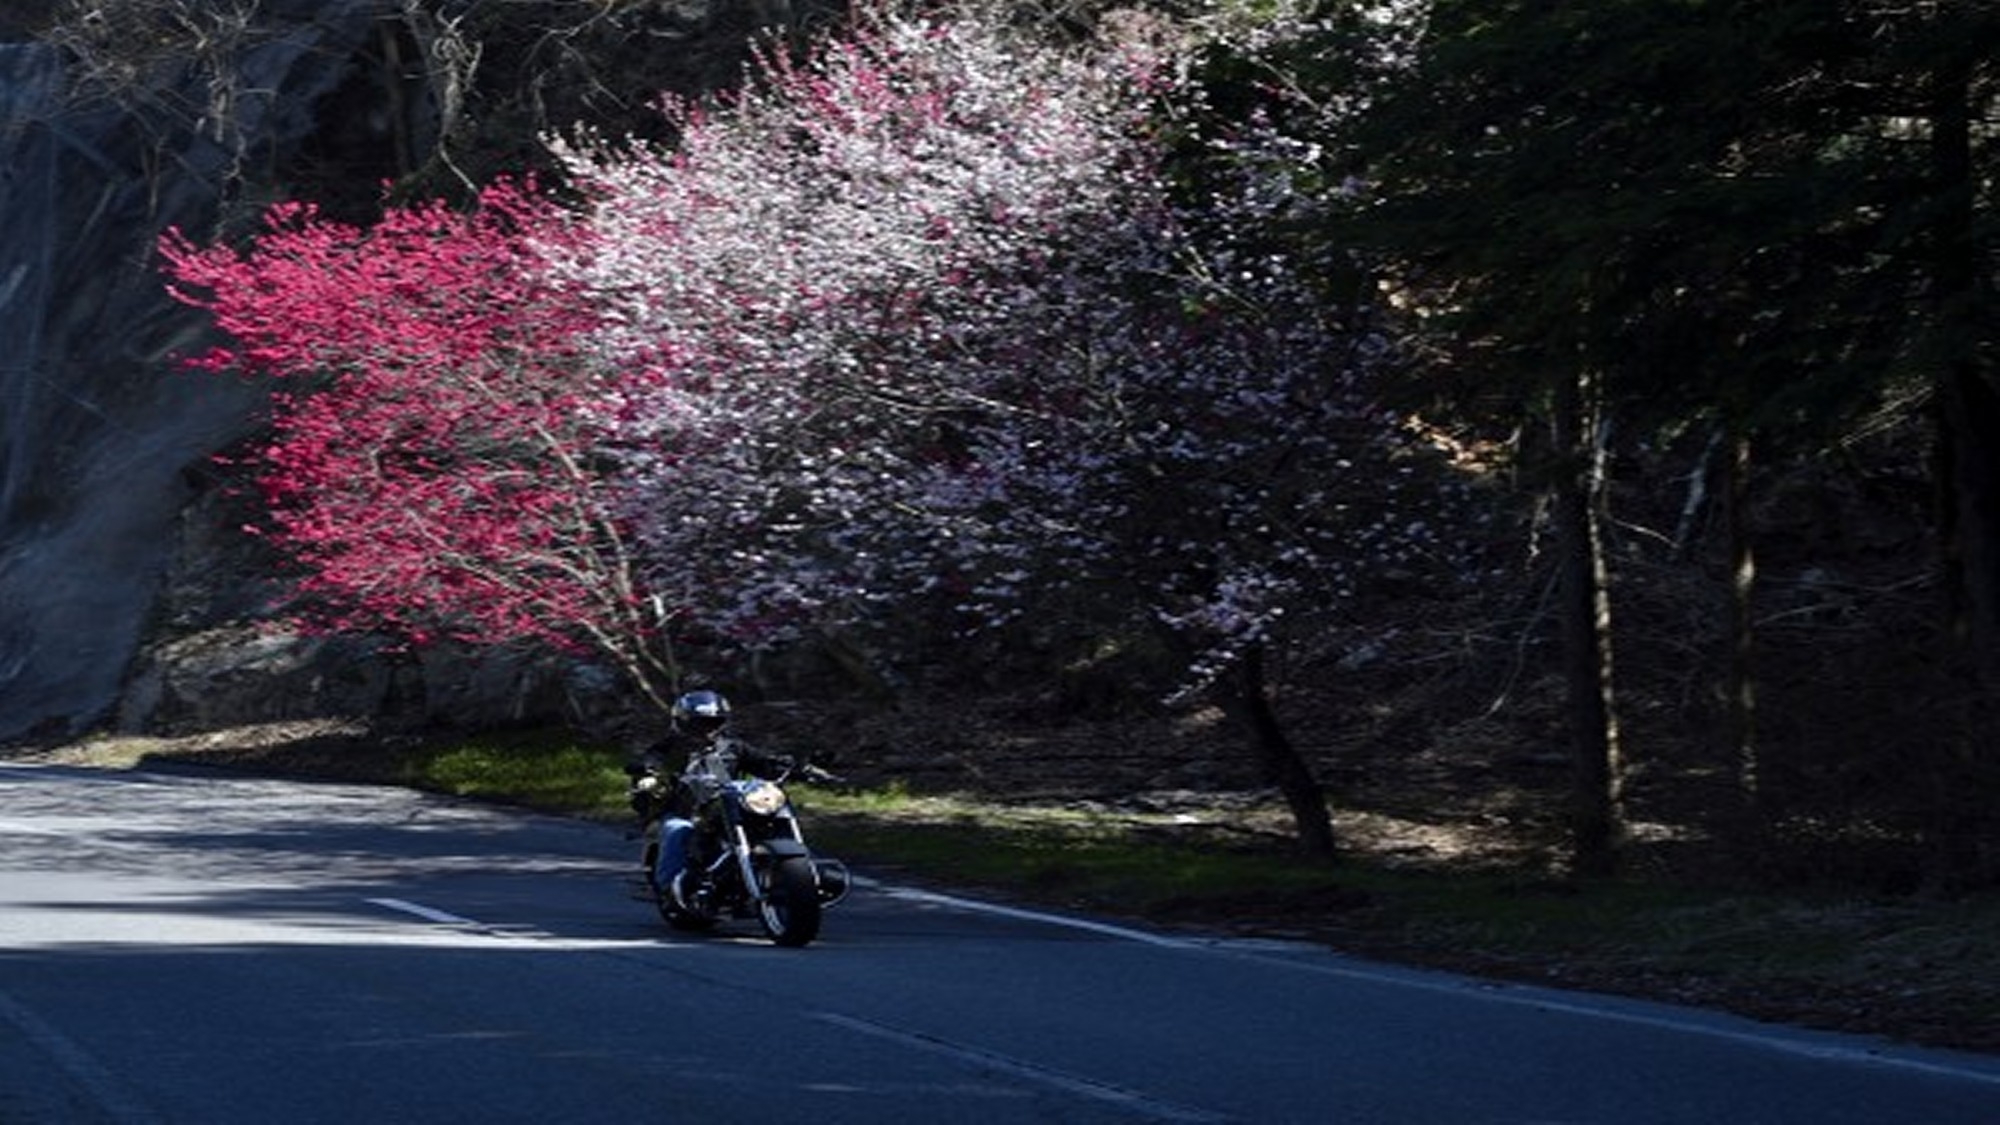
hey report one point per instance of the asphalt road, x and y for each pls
(187, 947)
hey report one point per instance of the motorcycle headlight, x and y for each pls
(764, 799)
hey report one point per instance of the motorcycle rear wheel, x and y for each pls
(789, 906)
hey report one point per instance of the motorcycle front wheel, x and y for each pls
(788, 904)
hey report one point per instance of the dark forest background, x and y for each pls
(1702, 292)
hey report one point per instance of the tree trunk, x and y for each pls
(1596, 798)
(1968, 416)
(1751, 819)
(1751, 784)
(1961, 823)
(1246, 698)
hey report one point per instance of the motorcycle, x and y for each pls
(743, 855)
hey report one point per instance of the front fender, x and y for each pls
(781, 849)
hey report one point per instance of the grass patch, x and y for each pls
(1081, 858)
(538, 769)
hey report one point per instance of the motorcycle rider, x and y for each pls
(708, 758)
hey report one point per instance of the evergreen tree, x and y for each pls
(1764, 217)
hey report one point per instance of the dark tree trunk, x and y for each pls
(1752, 786)
(1962, 823)
(1246, 698)
(1596, 799)
(1968, 414)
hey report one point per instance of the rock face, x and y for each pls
(101, 441)
(127, 595)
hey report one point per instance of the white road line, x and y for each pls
(1700, 1022)
(102, 1087)
(27, 828)
(1123, 933)
(428, 914)
(1152, 1108)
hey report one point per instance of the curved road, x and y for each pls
(191, 947)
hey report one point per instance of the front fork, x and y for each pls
(675, 853)
(830, 878)
(746, 866)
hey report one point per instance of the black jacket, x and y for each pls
(704, 764)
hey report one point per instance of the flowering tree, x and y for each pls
(430, 465)
(916, 316)
(837, 284)
(920, 315)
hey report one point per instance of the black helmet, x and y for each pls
(701, 712)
